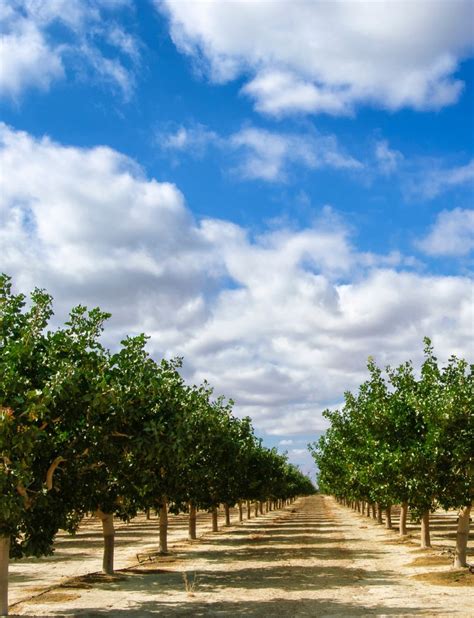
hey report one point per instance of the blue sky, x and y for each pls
(274, 190)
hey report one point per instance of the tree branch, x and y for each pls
(50, 472)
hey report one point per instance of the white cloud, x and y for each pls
(304, 309)
(26, 58)
(420, 177)
(388, 160)
(268, 154)
(31, 57)
(328, 56)
(279, 92)
(110, 245)
(432, 179)
(261, 154)
(452, 234)
(194, 139)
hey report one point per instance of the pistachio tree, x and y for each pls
(408, 440)
(44, 375)
(449, 413)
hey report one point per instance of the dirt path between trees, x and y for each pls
(314, 558)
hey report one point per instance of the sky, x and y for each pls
(273, 190)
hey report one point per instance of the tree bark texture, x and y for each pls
(108, 532)
(462, 535)
(4, 560)
(388, 518)
(379, 514)
(227, 515)
(403, 518)
(192, 521)
(215, 526)
(425, 540)
(164, 526)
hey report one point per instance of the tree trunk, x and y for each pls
(147, 513)
(374, 511)
(379, 514)
(192, 521)
(4, 560)
(462, 535)
(215, 527)
(256, 508)
(403, 518)
(367, 504)
(227, 515)
(108, 532)
(241, 514)
(388, 517)
(425, 531)
(261, 507)
(164, 526)
(249, 509)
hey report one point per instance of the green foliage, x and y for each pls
(82, 429)
(403, 439)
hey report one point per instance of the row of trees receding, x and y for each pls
(406, 440)
(86, 430)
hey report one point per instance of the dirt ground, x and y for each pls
(314, 558)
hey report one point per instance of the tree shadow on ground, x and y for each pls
(271, 554)
(280, 539)
(56, 557)
(302, 580)
(278, 606)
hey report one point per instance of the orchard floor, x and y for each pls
(313, 558)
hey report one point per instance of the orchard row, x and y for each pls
(408, 440)
(86, 430)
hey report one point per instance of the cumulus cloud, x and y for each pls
(82, 239)
(282, 322)
(451, 235)
(335, 56)
(33, 57)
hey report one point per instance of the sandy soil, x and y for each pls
(314, 558)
